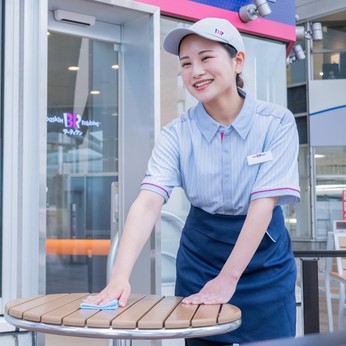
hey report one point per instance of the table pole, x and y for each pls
(118, 342)
(310, 295)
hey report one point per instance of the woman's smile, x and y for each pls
(202, 84)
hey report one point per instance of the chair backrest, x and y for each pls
(340, 244)
(330, 262)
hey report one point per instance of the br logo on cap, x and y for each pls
(219, 32)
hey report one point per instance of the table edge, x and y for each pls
(135, 334)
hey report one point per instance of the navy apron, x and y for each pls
(265, 292)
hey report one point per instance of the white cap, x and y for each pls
(215, 29)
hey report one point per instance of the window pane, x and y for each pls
(329, 55)
(330, 163)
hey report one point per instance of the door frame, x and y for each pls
(25, 109)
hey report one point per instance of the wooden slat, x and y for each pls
(56, 316)
(206, 315)
(104, 318)
(37, 312)
(181, 316)
(229, 313)
(19, 310)
(130, 317)
(79, 317)
(18, 301)
(155, 318)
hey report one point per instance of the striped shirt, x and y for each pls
(222, 169)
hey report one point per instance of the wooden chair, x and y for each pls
(335, 272)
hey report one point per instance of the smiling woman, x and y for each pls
(235, 157)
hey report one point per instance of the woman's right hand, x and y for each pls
(116, 289)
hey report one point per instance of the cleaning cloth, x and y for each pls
(112, 305)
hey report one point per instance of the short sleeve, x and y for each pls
(279, 177)
(163, 172)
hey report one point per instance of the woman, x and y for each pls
(236, 159)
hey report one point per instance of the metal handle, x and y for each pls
(169, 216)
(115, 241)
(112, 255)
(114, 228)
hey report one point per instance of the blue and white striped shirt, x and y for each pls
(211, 161)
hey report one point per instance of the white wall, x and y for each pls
(312, 9)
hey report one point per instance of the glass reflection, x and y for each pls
(82, 160)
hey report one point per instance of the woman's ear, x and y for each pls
(239, 61)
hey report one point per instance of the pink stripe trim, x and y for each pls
(159, 187)
(282, 188)
(194, 11)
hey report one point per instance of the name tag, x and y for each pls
(259, 158)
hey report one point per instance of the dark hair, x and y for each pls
(232, 53)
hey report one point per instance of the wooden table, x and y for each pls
(144, 317)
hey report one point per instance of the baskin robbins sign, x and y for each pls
(70, 124)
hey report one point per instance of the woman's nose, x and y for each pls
(197, 69)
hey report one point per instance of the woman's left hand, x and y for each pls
(217, 291)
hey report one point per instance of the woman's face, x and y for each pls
(208, 71)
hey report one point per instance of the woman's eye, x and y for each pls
(206, 58)
(185, 64)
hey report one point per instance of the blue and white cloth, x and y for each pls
(112, 305)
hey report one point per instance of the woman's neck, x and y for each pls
(225, 111)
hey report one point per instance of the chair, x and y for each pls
(171, 228)
(340, 275)
(335, 272)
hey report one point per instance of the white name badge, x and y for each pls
(259, 158)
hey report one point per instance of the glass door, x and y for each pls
(82, 160)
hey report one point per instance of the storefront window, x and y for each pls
(297, 216)
(330, 166)
(296, 69)
(329, 55)
(82, 160)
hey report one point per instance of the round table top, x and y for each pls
(144, 317)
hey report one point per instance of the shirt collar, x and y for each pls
(242, 124)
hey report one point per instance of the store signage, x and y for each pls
(71, 124)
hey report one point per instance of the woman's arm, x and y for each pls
(221, 289)
(139, 224)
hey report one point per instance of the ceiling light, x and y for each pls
(94, 92)
(73, 68)
(253, 11)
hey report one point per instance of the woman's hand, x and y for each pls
(116, 289)
(217, 291)
(221, 289)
